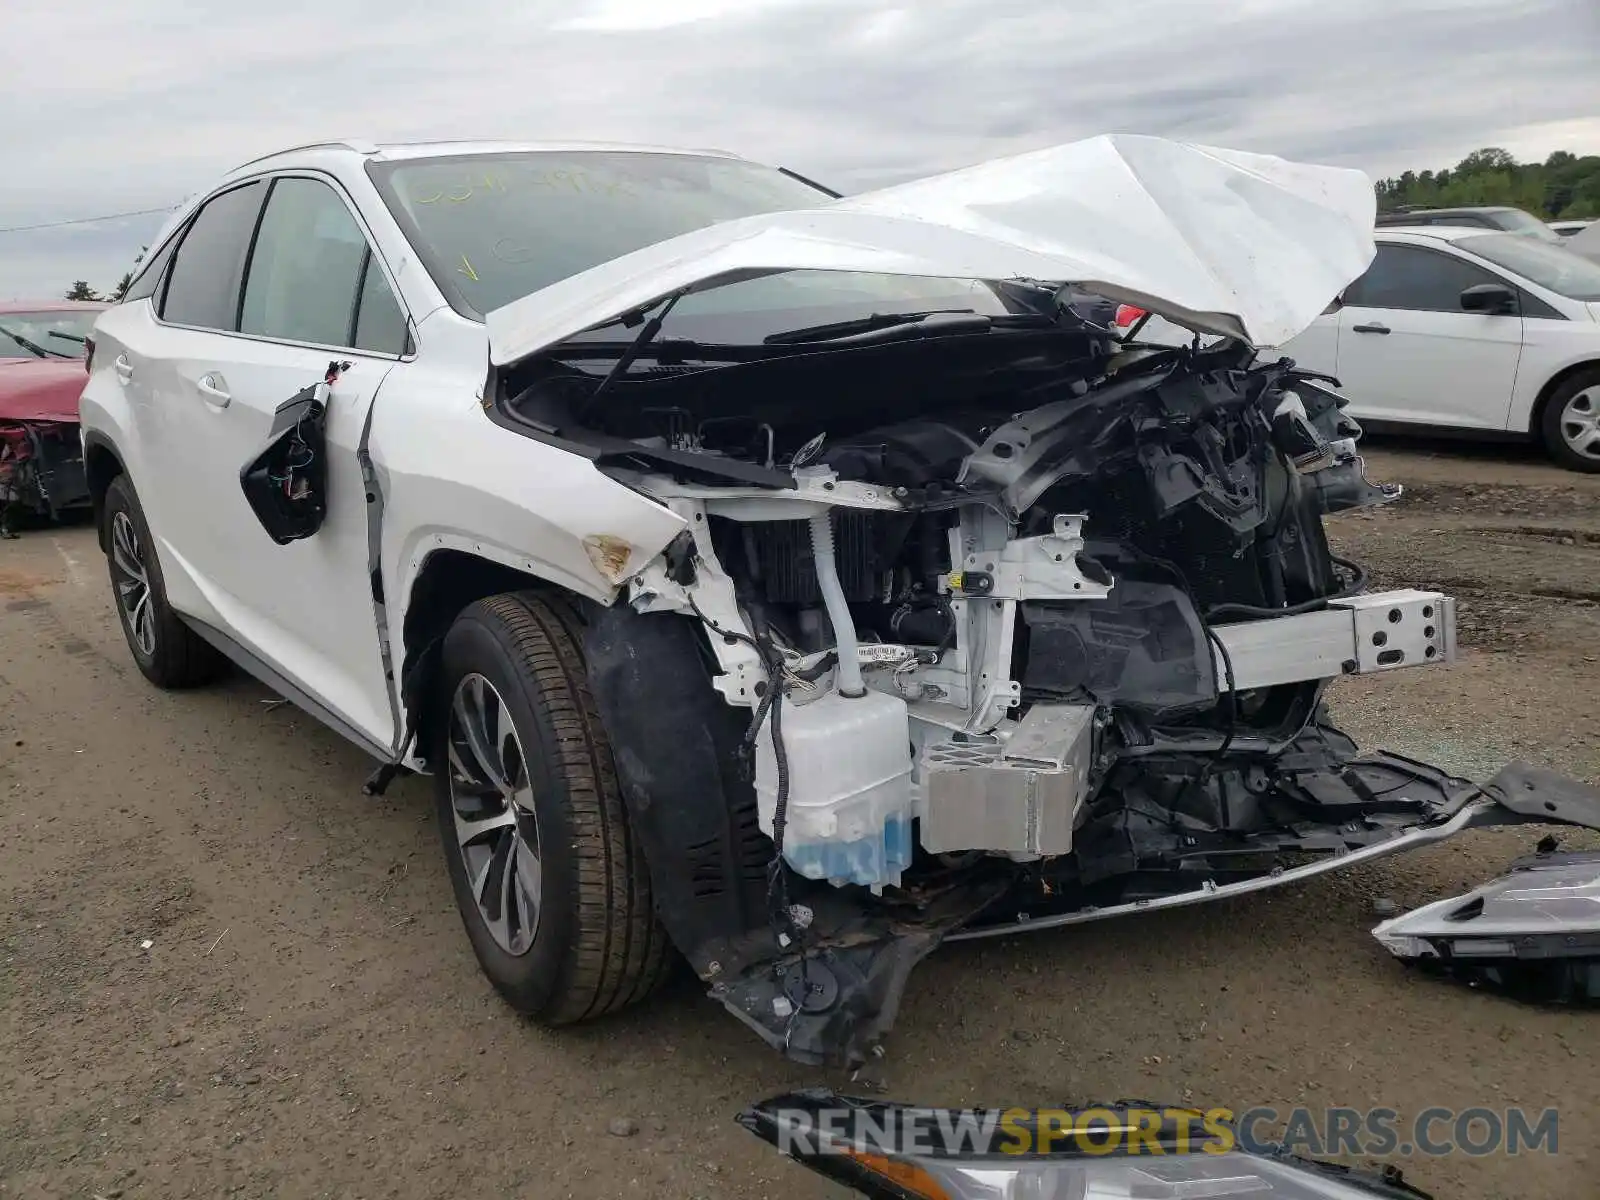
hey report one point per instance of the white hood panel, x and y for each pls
(1221, 241)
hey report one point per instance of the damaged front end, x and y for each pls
(41, 471)
(970, 672)
(981, 619)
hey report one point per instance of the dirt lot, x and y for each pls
(308, 1019)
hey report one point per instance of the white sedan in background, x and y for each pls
(1462, 330)
(1470, 330)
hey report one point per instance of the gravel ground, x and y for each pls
(308, 1020)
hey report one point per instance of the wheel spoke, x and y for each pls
(530, 881)
(509, 908)
(145, 623)
(472, 830)
(125, 548)
(474, 727)
(466, 778)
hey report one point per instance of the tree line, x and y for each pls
(1562, 186)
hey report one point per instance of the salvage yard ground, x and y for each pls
(308, 1019)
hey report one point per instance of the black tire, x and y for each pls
(173, 656)
(595, 946)
(1555, 443)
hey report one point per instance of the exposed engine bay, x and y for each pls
(974, 629)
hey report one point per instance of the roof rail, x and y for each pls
(359, 145)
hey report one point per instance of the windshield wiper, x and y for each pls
(33, 348)
(891, 327)
(838, 329)
(69, 337)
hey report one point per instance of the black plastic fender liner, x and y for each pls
(1538, 794)
(676, 744)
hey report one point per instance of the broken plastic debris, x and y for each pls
(146, 944)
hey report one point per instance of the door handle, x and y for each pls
(213, 389)
(123, 368)
(1372, 328)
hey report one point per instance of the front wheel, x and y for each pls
(550, 881)
(1571, 423)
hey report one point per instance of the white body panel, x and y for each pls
(1469, 370)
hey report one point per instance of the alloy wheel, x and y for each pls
(496, 828)
(133, 584)
(1580, 423)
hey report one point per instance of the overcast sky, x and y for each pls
(140, 103)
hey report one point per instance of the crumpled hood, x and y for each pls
(38, 389)
(1221, 241)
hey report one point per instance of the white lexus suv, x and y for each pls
(793, 580)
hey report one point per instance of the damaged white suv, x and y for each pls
(797, 581)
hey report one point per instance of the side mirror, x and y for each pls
(286, 483)
(1489, 298)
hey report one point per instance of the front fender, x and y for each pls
(454, 480)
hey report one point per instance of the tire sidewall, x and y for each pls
(532, 981)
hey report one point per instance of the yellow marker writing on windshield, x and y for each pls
(466, 269)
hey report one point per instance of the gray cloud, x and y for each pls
(146, 102)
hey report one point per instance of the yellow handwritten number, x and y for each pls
(466, 269)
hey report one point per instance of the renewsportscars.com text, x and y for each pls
(1367, 1132)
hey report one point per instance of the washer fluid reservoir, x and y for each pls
(848, 818)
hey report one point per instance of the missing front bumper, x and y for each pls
(831, 1002)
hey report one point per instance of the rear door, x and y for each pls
(309, 295)
(1408, 352)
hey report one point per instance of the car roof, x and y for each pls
(33, 306)
(1437, 233)
(1457, 208)
(401, 151)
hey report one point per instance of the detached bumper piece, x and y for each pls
(1533, 933)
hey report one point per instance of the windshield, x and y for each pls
(1547, 264)
(45, 334)
(492, 228)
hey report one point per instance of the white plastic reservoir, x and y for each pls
(849, 765)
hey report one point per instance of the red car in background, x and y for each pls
(42, 373)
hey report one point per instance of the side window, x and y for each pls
(203, 285)
(1415, 278)
(380, 325)
(312, 278)
(149, 277)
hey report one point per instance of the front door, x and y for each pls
(1408, 352)
(311, 296)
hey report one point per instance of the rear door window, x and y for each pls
(203, 284)
(1411, 277)
(312, 276)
